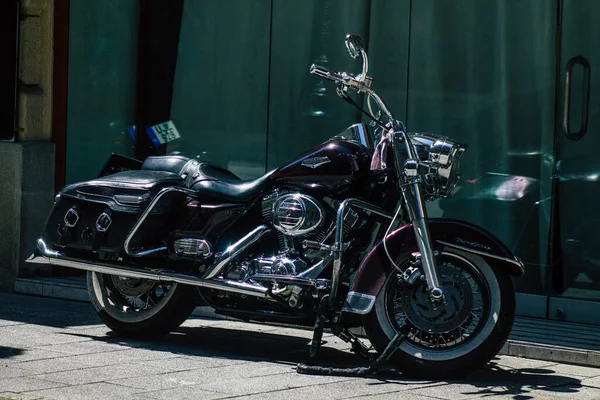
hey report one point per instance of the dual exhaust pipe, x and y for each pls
(45, 255)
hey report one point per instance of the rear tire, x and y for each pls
(439, 344)
(140, 308)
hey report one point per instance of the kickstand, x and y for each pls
(391, 348)
(315, 345)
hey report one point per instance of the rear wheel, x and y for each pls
(140, 307)
(445, 340)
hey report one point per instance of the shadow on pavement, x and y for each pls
(7, 352)
(46, 311)
(223, 342)
(520, 383)
(237, 343)
(248, 345)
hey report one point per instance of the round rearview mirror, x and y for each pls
(354, 45)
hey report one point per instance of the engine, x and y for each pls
(296, 217)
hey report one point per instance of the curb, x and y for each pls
(559, 354)
(516, 348)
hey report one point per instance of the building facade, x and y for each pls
(513, 79)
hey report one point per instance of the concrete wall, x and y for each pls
(35, 70)
(27, 166)
(25, 200)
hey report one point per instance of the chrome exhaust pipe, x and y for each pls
(44, 255)
(234, 250)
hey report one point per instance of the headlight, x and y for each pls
(439, 161)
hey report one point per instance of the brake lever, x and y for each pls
(342, 90)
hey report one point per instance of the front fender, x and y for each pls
(445, 233)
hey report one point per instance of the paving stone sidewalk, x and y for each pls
(57, 349)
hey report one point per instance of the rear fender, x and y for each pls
(446, 234)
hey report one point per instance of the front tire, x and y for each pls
(451, 340)
(137, 307)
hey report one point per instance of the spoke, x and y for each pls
(442, 337)
(148, 301)
(459, 335)
(462, 329)
(401, 320)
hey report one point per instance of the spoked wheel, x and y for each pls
(139, 307)
(449, 339)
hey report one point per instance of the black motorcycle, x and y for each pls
(337, 237)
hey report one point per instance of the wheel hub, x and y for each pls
(438, 317)
(133, 287)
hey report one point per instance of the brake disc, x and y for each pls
(443, 317)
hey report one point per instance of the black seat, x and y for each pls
(234, 191)
(208, 179)
(138, 179)
(172, 163)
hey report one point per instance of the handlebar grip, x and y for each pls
(325, 73)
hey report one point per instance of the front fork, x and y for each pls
(411, 187)
(412, 194)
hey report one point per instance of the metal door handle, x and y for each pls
(585, 101)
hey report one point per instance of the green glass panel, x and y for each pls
(101, 87)
(304, 110)
(483, 72)
(388, 52)
(221, 84)
(578, 168)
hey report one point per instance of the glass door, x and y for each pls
(575, 292)
(484, 72)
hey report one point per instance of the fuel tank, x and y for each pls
(335, 165)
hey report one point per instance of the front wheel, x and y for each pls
(445, 340)
(139, 308)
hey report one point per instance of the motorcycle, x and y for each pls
(338, 237)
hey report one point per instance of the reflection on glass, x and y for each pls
(101, 87)
(221, 84)
(578, 167)
(304, 111)
(494, 91)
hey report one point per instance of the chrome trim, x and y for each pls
(293, 208)
(192, 247)
(428, 262)
(314, 271)
(516, 261)
(359, 133)
(237, 287)
(315, 162)
(414, 199)
(305, 203)
(41, 254)
(359, 303)
(45, 256)
(103, 217)
(285, 279)
(143, 253)
(234, 250)
(438, 163)
(129, 199)
(338, 249)
(71, 211)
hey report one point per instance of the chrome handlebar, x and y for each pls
(325, 73)
(349, 81)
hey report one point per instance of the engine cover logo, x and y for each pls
(315, 162)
